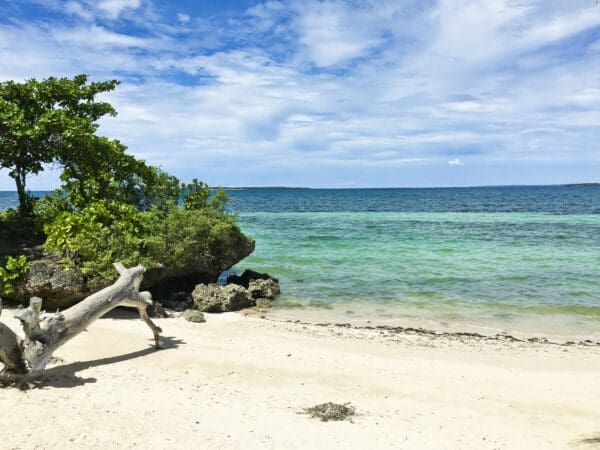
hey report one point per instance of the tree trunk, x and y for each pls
(24, 204)
(26, 359)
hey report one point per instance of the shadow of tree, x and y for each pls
(65, 376)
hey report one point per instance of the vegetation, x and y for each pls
(12, 270)
(46, 121)
(111, 206)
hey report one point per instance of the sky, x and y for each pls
(337, 93)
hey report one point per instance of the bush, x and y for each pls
(11, 271)
(93, 238)
(107, 231)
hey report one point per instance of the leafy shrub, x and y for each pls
(17, 230)
(93, 238)
(179, 238)
(11, 271)
(107, 231)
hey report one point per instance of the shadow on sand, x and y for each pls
(595, 441)
(65, 376)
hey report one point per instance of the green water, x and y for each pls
(485, 267)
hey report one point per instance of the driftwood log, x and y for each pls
(25, 359)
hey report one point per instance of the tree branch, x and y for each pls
(46, 332)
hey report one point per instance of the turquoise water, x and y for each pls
(429, 262)
(488, 256)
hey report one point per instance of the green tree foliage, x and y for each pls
(111, 206)
(197, 196)
(11, 271)
(174, 237)
(44, 121)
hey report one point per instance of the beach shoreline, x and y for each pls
(242, 381)
(558, 328)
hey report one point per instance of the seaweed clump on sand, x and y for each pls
(331, 411)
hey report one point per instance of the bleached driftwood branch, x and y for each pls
(26, 359)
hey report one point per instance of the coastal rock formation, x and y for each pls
(263, 288)
(249, 275)
(61, 287)
(192, 315)
(215, 299)
(233, 297)
(58, 286)
(163, 282)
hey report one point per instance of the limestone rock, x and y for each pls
(214, 298)
(192, 315)
(157, 310)
(262, 288)
(60, 287)
(263, 304)
(57, 285)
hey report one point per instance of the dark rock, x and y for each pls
(192, 315)
(177, 301)
(162, 281)
(247, 276)
(214, 298)
(264, 288)
(157, 310)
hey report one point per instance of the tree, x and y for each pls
(43, 121)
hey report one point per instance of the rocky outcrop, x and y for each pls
(233, 297)
(249, 275)
(57, 285)
(213, 298)
(263, 288)
(60, 287)
(192, 315)
(166, 284)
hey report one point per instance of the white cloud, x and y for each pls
(183, 18)
(332, 34)
(77, 9)
(455, 162)
(114, 8)
(97, 36)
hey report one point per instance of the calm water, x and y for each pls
(510, 257)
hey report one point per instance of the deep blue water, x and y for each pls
(543, 199)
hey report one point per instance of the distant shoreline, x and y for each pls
(234, 188)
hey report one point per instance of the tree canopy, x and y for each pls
(111, 206)
(48, 121)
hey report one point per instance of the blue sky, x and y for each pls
(341, 93)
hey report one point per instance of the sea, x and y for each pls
(521, 260)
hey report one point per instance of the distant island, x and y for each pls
(582, 184)
(233, 188)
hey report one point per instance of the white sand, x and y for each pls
(240, 382)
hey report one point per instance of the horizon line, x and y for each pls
(578, 184)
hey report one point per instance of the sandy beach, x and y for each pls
(242, 381)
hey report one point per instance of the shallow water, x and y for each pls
(515, 258)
